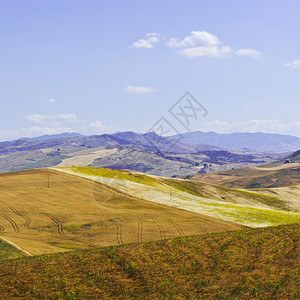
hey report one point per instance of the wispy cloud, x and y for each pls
(295, 64)
(51, 101)
(151, 39)
(140, 90)
(55, 124)
(51, 119)
(196, 44)
(249, 52)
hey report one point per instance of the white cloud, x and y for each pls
(195, 39)
(249, 52)
(51, 101)
(217, 52)
(267, 126)
(151, 39)
(295, 64)
(96, 127)
(55, 124)
(199, 44)
(140, 89)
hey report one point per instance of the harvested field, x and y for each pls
(45, 211)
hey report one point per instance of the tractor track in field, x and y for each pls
(12, 223)
(140, 230)
(119, 230)
(1, 228)
(14, 210)
(58, 224)
(199, 227)
(160, 228)
(177, 227)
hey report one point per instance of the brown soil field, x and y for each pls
(45, 211)
(258, 177)
(85, 158)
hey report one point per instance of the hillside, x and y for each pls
(292, 158)
(242, 207)
(243, 264)
(67, 208)
(269, 176)
(46, 211)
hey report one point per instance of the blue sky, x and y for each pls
(105, 66)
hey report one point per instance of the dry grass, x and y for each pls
(243, 207)
(76, 213)
(243, 264)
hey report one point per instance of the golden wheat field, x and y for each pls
(45, 211)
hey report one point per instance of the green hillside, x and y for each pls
(243, 264)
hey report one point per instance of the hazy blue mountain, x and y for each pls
(253, 141)
(53, 136)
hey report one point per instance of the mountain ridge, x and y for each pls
(257, 141)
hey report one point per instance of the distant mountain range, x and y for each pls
(262, 142)
(147, 152)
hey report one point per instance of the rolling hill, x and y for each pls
(242, 207)
(46, 211)
(257, 177)
(63, 215)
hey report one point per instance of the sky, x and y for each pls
(104, 66)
